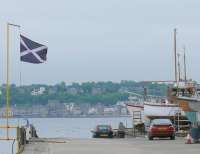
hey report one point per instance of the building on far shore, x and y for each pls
(55, 108)
(38, 91)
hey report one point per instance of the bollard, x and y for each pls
(22, 142)
(18, 140)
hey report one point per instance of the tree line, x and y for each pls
(107, 93)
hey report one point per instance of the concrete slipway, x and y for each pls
(110, 146)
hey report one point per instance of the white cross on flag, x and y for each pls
(32, 52)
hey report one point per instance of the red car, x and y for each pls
(161, 128)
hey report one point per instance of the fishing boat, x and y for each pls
(182, 97)
(184, 91)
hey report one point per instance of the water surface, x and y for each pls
(61, 127)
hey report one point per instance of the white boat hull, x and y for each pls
(161, 110)
(149, 110)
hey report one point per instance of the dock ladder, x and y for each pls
(137, 117)
(137, 122)
(181, 123)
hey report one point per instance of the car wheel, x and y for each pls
(122, 136)
(172, 137)
(150, 137)
(95, 136)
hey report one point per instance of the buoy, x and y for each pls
(189, 139)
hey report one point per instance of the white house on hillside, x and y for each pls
(38, 91)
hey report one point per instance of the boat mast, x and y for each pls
(179, 68)
(175, 56)
(185, 72)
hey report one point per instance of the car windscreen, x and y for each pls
(161, 121)
(103, 127)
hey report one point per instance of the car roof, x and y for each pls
(103, 125)
(161, 121)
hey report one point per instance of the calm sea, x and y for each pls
(61, 127)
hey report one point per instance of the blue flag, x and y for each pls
(32, 52)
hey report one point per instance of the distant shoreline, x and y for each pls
(21, 117)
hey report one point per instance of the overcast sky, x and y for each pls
(102, 40)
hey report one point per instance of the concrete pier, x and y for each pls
(110, 146)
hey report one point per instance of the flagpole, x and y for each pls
(7, 82)
(20, 65)
(8, 76)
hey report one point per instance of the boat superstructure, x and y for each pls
(187, 95)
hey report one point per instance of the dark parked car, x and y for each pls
(103, 131)
(161, 128)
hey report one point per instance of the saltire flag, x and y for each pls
(32, 52)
